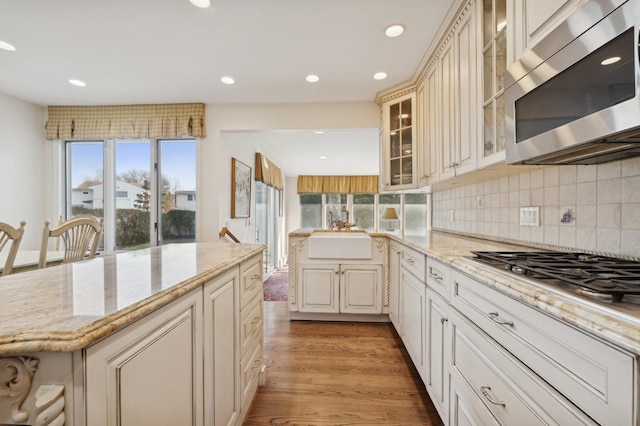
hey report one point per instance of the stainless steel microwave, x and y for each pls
(574, 97)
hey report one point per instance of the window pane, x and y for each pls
(85, 161)
(363, 211)
(133, 159)
(335, 204)
(178, 168)
(311, 211)
(386, 201)
(415, 214)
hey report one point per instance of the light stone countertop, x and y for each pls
(68, 307)
(617, 323)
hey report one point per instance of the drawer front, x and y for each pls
(593, 375)
(251, 320)
(505, 386)
(250, 367)
(250, 279)
(414, 262)
(438, 277)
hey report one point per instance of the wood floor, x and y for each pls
(326, 373)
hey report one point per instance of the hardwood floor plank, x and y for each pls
(335, 373)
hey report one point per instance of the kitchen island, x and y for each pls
(153, 336)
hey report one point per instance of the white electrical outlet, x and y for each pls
(530, 216)
(450, 215)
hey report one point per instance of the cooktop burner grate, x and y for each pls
(596, 274)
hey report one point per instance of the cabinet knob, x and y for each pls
(256, 320)
(256, 277)
(443, 320)
(485, 391)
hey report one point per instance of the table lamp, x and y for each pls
(390, 214)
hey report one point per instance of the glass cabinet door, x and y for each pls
(494, 41)
(399, 142)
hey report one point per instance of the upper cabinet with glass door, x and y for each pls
(398, 143)
(494, 42)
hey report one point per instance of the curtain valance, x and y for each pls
(338, 184)
(125, 121)
(268, 173)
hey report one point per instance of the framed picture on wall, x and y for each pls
(240, 189)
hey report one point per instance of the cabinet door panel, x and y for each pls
(413, 318)
(123, 384)
(360, 289)
(222, 401)
(437, 353)
(319, 288)
(448, 118)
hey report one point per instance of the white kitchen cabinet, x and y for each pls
(360, 289)
(466, 409)
(422, 130)
(340, 288)
(432, 122)
(221, 351)
(437, 352)
(123, 385)
(395, 252)
(413, 319)
(399, 143)
(594, 376)
(533, 19)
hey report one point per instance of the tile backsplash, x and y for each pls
(593, 208)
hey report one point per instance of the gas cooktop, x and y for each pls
(599, 277)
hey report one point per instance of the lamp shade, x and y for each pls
(390, 213)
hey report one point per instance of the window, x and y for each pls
(311, 211)
(415, 214)
(366, 211)
(336, 207)
(191, 197)
(134, 185)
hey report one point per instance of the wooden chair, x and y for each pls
(80, 237)
(10, 234)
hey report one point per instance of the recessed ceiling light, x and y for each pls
(312, 78)
(611, 60)
(323, 158)
(394, 30)
(227, 80)
(319, 132)
(201, 3)
(380, 75)
(6, 46)
(77, 82)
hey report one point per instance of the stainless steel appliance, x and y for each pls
(574, 98)
(611, 284)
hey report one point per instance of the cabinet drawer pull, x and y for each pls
(256, 277)
(256, 320)
(337, 272)
(410, 261)
(435, 276)
(443, 320)
(256, 363)
(485, 391)
(495, 317)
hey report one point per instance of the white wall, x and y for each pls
(25, 168)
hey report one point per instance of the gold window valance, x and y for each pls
(268, 173)
(125, 121)
(338, 184)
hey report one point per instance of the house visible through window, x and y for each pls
(147, 190)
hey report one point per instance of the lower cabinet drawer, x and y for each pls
(505, 386)
(596, 377)
(251, 319)
(438, 277)
(250, 279)
(249, 372)
(414, 261)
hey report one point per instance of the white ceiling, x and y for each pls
(168, 51)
